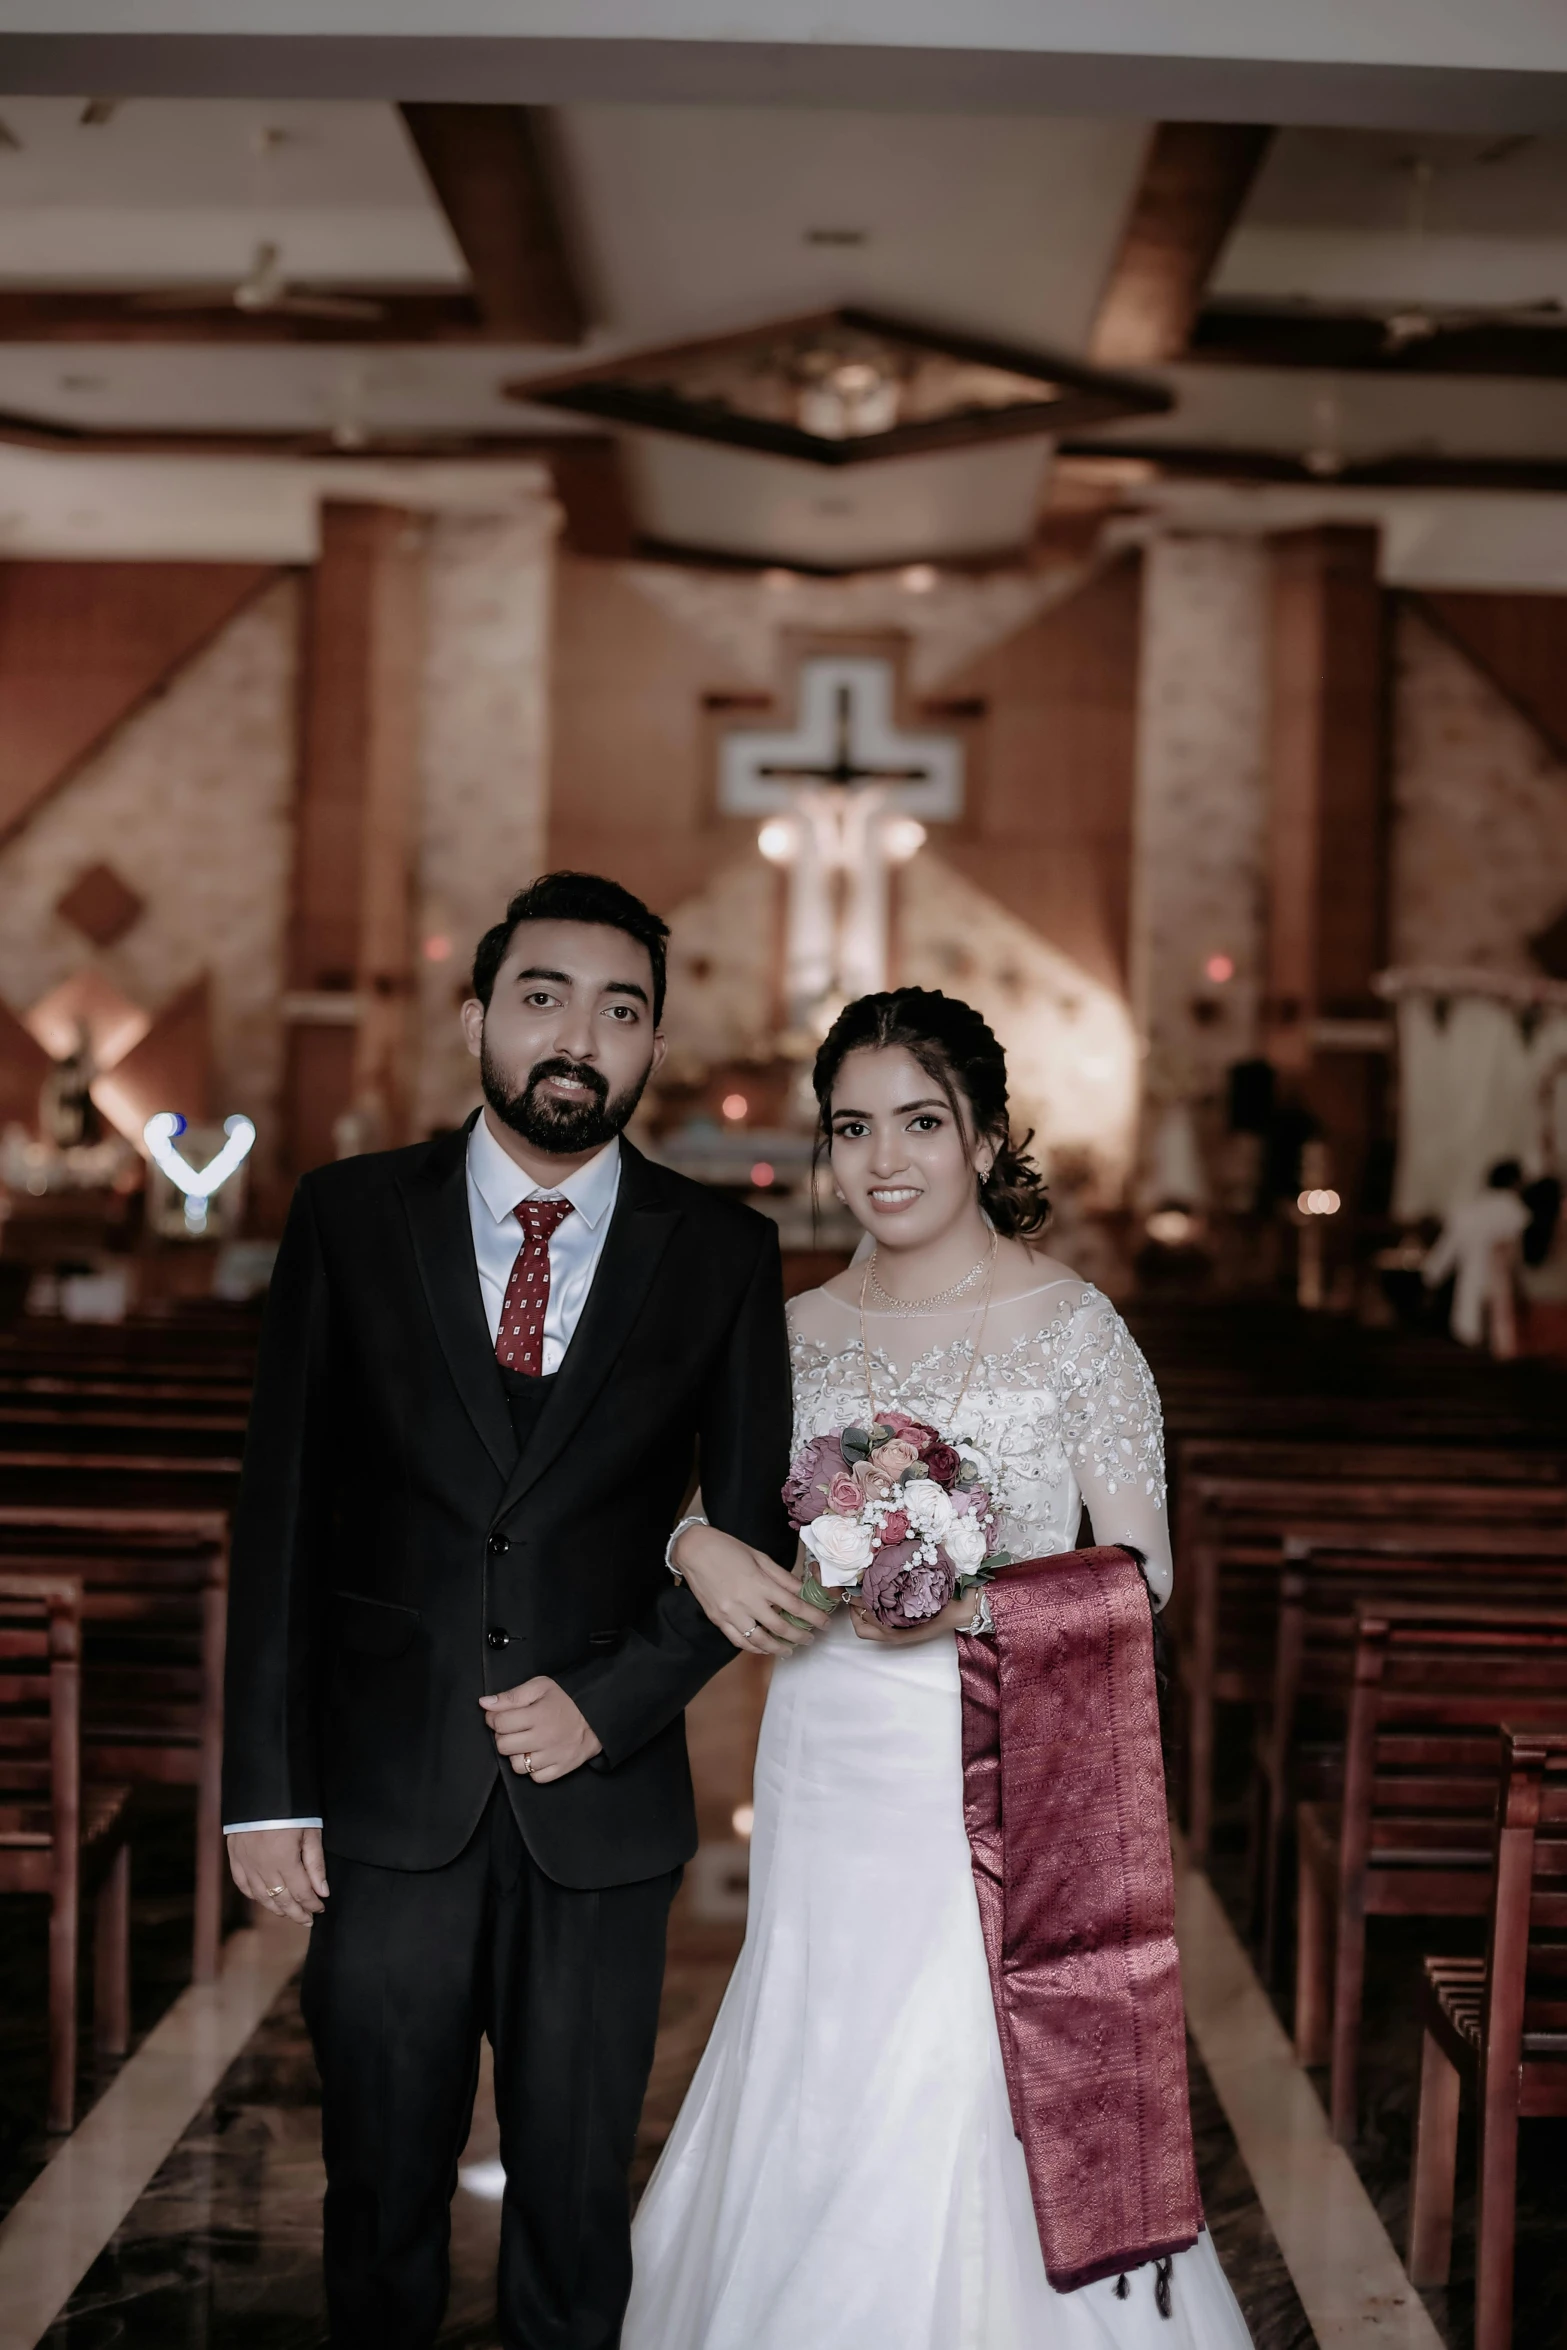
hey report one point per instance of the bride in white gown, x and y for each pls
(843, 2174)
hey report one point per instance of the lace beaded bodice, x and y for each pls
(1060, 1405)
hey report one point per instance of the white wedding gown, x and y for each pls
(843, 2174)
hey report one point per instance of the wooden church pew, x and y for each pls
(154, 1614)
(1329, 1572)
(58, 1838)
(1498, 2027)
(1230, 1532)
(1413, 1836)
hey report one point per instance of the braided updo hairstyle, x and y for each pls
(958, 1052)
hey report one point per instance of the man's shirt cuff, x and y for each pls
(251, 1827)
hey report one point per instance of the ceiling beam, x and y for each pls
(46, 315)
(587, 470)
(1132, 461)
(488, 169)
(1196, 177)
(22, 431)
(1252, 334)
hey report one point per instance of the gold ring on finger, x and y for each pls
(275, 1890)
(527, 1764)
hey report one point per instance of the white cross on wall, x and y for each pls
(846, 796)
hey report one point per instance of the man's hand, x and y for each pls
(283, 1869)
(540, 1730)
(744, 1592)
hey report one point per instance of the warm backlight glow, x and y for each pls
(1319, 1203)
(776, 840)
(1171, 1227)
(735, 1106)
(744, 1819)
(902, 837)
(1220, 969)
(437, 948)
(918, 578)
(762, 1175)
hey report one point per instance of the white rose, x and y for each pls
(964, 1543)
(927, 1506)
(841, 1547)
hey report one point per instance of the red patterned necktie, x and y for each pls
(519, 1342)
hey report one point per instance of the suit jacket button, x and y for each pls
(497, 1546)
(497, 1636)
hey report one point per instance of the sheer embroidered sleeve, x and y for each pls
(1115, 1432)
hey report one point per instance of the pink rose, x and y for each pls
(893, 1458)
(895, 1528)
(897, 1592)
(909, 1431)
(843, 1496)
(970, 1501)
(811, 1472)
(872, 1484)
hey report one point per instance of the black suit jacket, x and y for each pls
(394, 1555)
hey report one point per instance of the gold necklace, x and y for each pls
(941, 1297)
(979, 1332)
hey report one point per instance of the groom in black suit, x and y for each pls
(458, 1665)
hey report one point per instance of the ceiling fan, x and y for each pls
(264, 291)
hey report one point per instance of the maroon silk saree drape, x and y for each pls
(1063, 1792)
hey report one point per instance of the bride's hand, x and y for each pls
(956, 1616)
(744, 1592)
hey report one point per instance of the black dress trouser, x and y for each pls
(406, 1970)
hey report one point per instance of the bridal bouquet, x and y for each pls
(895, 1514)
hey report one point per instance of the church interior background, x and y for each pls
(1109, 567)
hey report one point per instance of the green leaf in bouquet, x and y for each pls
(855, 1445)
(815, 1595)
(913, 1473)
(996, 1558)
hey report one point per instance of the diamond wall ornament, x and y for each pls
(100, 905)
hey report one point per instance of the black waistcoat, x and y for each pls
(525, 1400)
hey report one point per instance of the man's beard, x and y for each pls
(563, 1128)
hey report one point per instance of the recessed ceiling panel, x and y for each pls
(695, 218)
(976, 502)
(1380, 217)
(171, 190)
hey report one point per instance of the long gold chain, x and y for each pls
(979, 1332)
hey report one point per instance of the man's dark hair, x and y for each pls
(573, 897)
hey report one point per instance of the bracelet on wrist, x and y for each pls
(684, 1527)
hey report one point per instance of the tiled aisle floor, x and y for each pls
(222, 2249)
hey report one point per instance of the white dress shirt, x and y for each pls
(497, 1186)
